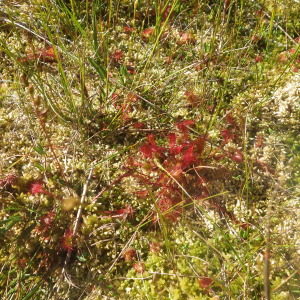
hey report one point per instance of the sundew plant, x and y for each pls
(149, 149)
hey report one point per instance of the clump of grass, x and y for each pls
(145, 149)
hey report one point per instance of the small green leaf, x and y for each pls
(11, 222)
(39, 149)
(40, 167)
(100, 70)
(81, 258)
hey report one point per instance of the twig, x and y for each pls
(77, 222)
(267, 287)
(28, 30)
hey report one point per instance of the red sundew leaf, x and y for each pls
(192, 98)
(230, 119)
(168, 209)
(130, 69)
(255, 38)
(122, 212)
(237, 156)
(22, 262)
(282, 57)
(28, 58)
(131, 162)
(128, 29)
(147, 150)
(138, 125)
(129, 255)
(117, 55)
(132, 97)
(168, 60)
(142, 193)
(226, 5)
(8, 180)
(259, 12)
(66, 240)
(154, 247)
(259, 141)
(258, 58)
(151, 139)
(183, 125)
(227, 135)
(218, 157)
(148, 32)
(166, 12)
(174, 150)
(46, 221)
(200, 144)
(37, 188)
(114, 96)
(47, 55)
(205, 282)
(176, 170)
(243, 225)
(151, 148)
(172, 140)
(189, 157)
(139, 267)
(264, 167)
(184, 38)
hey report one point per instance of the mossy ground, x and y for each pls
(149, 149)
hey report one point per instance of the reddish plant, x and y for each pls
(181, 154)
(148, 32)
(46, 221)
(205, 282)
(192, 99)
(43, 55)
(128, 29)
(184, 38)
(264, 167)
(8, 180)
(184, 125)
(237, 156)
(122, 213)
(139, 267)
(259, 141)
(227, 135)
(169, 209)
(166, 12)
(129, 255)
(179, 169)
(22, 262)
(258, 58)
(37, 188)
(117, 55)
(138, 125)
(154, 247)
(66, 241)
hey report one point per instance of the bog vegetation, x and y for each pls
(149, 149)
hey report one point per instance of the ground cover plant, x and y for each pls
(149, 149)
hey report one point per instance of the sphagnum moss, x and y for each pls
(98, 112)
